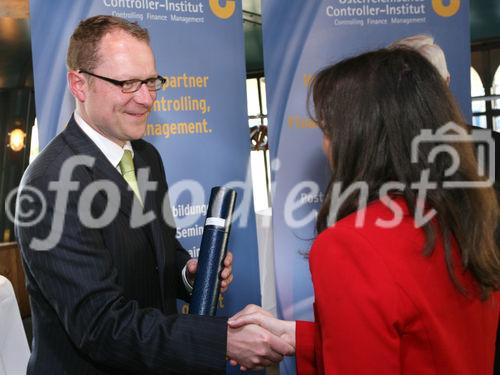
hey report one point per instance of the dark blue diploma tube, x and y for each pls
(213, 250)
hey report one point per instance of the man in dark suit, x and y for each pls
(103, 266)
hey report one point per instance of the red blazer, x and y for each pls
(382, 307)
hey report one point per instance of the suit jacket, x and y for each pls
(382, 307)
(103, 299)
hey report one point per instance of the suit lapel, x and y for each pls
(149, 199)
(102, 168)
(155, 230)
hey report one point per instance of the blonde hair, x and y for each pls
(83, 50)
(424, 44)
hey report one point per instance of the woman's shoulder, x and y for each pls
(383, 225)
(382, 215)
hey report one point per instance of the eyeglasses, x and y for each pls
(132, 85)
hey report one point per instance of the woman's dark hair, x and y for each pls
(371, 107)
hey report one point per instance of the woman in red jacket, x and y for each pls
(405, 268)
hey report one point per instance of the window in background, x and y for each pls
(495, 92)
(478, 105)
(257, 121)
(34, 145)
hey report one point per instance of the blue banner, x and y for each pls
(198, 122)
(300, 38)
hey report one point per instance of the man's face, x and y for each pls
(118, 116)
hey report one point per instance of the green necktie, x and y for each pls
(128, 172)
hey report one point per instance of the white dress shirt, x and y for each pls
(110, 149)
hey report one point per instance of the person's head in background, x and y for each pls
(424, 44)
(370, 109)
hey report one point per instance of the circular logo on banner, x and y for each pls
(446, 10)
(223, 12)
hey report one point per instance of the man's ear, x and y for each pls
(78, 85)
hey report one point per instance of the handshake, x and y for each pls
(256, 339)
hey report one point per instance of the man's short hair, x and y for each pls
(424, 44)
(84, 43)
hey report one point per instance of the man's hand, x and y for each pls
(226, 274)
(253, 314)
(254, 348)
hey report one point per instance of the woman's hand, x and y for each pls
(253, 314)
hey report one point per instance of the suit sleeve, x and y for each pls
(356, 306)
(78, 279)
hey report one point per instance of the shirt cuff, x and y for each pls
(187, 285)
